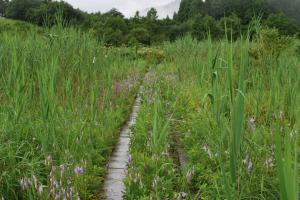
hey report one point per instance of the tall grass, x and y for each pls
(238, 113)
(64, 97)
(238, 127)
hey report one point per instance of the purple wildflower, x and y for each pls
(48, 160)
(129, 159)
(24, 183)
(78, 170)
(40, 189)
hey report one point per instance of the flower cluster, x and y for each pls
(135, 177)
(248, 163)
(61, 183)
(27, 183)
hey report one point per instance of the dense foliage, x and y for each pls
(195, 17)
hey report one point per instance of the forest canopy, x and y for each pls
(195, 17)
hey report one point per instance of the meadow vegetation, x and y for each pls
(229, 97)
(236, 115)
(64, 98)
(195, 17)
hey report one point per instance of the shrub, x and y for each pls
(271, 43)
(139, 35)
(151, 55)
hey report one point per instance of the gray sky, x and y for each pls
(127, 7)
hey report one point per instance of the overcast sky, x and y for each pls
(127, 7)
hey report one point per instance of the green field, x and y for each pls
(232, 106)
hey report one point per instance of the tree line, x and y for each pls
(195, 17)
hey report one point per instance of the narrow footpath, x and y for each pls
(117, 167)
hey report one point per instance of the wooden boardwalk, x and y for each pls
(117, 167)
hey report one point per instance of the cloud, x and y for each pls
(127, 7)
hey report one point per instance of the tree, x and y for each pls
(114, 13)
(137, 15)
(231, 25)
(3, 6)
(48, 11)
(244, 9)
(152, 14)
(290, 8)
(284, 24)
(204, 25)
(18, 9)
(184, 11)
(179, 30)
(111, 30)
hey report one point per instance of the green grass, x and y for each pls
(64, 98)
(153, 172)
(234, 112)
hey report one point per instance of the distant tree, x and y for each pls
(204, 25)
(3, 6)
(244, 9)
(179, 30)
(135, 21)
(152, 14)
(139, 35)
(18, 9)
(111, 30)
(48, 11)
(114, 13)
(175, 16)
(137, 15)
(184, 11)
(284, 24)
(290, 8)
(231, 24)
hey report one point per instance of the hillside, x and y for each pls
(13, 25)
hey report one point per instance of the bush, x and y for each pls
(151, 55)
(139, 35)
(271, 43)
